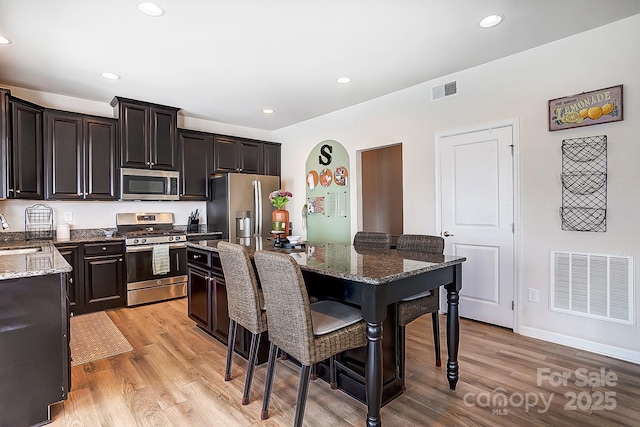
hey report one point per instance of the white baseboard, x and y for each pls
(604, 349)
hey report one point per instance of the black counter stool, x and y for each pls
(245, 303)
(409, 309)
(308, 332)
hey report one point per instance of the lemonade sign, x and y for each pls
(589, 108)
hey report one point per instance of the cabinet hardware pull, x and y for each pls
(120, 259)
(104, 248)
(18, 191)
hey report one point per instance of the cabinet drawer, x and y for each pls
(92, 249)
(198, 258)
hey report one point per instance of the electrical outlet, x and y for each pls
(68, 217)
(533, 295)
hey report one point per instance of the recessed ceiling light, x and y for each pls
(111, 76)
(4, 40)
(490, 21)
(268, 111)
(344, 80)
(150, 9)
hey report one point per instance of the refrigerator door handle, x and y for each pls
(257, 192)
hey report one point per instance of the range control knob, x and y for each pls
(177, 238)
(143, 241)
(171, 238)
(135, 241)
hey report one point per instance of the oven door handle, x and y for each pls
(146, 248)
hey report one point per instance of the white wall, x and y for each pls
(96, 214)
(519, 87)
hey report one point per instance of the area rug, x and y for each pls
(94, 336)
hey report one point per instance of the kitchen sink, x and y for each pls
(19, 251)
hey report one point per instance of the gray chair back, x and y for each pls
(372, 239)
(287, 304)
(243, 297)
(421, 243)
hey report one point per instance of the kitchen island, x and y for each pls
(374, 280)
(35, 361)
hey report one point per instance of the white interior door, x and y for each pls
(477, 219)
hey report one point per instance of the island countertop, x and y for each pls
(45, 260)
(343, 261)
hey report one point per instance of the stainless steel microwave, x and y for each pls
(147, 184)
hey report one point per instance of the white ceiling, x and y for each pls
(227, 60)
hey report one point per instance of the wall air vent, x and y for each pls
(442, 91)
(593, 285)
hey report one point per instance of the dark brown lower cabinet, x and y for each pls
(104, 276)
(34, 348)
(207, 302)
(98, 279)
(75, 293)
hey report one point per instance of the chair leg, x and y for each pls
(436, 337)
(251, 364)
(403, 351)
(230, 342)
(303, 389)
(268, 383)
(314, 375)
(332, 373)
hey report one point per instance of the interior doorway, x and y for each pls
(381, 190)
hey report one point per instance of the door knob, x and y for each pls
(447, 234)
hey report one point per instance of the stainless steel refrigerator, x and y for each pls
(239, 205)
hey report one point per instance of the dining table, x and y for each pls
(376, 278)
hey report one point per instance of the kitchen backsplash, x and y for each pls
(97, 214)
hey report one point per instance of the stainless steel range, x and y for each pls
(156, 256)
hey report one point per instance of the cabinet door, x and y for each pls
(163, 149)
(134, 135)
(104, 282)
(71, 253)
(194, 160)
(4, 143)
(271, 159)
(26, 151)
(251, 157)
(100, 172)
(199, 297)
(225, 156)
(63, 156)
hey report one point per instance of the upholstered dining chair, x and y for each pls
(372, 239)
(245, 303)
(308, 332)
(415, 306)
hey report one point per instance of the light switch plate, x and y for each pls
(533, 295)
(68, 217)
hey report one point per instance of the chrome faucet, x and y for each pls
(5, 224)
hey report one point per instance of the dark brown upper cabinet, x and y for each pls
(237, 155)
(4, 142)
(195, 152)
(25, 175)
(148, 134)
(80, 157)
(271, 159)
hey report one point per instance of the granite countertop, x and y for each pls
(45, 260)
(343, 261)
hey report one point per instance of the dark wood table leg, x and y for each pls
(373, 379)
(453, 336)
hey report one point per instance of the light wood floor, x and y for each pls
(174, 377)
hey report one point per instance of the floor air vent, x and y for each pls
(447, 89)
(593, 285)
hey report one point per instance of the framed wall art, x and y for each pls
(586, 109)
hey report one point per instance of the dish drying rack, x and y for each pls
(38, 222)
